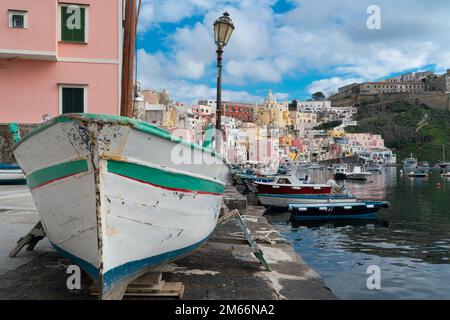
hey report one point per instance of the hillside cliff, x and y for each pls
(408, 128)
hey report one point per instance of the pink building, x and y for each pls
(204, 113)
(366, 140)
(58, 57)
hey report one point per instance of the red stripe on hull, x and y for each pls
(53, 180)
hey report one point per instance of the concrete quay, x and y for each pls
(223, 269)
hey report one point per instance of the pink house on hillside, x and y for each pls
(367, 140)
(59, 57)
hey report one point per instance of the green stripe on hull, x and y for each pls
(56, 172)
(163, 178)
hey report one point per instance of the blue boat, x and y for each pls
(11, 174)
(357, 209)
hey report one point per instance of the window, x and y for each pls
(283, 181)
(18, 19)
(74, 23)
(73, 99)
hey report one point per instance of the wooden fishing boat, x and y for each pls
(114, 196)
(355, 209)
(285, 190)
(11, 174)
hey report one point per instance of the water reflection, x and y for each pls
(410, 241)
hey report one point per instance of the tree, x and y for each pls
(318, 96)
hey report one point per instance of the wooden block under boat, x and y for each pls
(149, 285)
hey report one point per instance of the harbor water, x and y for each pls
(409, 242)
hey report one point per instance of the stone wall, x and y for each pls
(7, 141)
(433, 100)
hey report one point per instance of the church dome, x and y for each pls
(270, 99)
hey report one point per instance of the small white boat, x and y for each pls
(341, 172)
(417, 174)
(358, 173)
(373, 167)
(11, 174)
(118, 196)
(409, 164)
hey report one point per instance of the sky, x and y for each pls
(292, 47)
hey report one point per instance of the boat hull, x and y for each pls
(345, 210)
(298, 190)
(283, 201)
(10, 174)
(115, 199)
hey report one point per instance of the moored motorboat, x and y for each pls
(373, 167)
(417, 174)
(358, 173)
(11, 174)
(424, 166)
(354, 209)
(409, 164)
(284, 200)
(290, 189)
(340, 172)
(117, 197)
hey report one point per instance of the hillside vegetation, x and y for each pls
(408, 128)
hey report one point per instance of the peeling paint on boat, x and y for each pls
(120, 212)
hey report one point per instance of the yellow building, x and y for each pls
(337, 133)
(272, 113)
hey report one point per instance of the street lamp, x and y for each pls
(223, 28)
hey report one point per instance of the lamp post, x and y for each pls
(223, 28)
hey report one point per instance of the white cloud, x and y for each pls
(266, 47)
(330, 86)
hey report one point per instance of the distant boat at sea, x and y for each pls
(373, 167)
(443, 164)
(409, 164)
(424, 166)
(358, 173)
(417, 174)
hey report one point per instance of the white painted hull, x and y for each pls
(108, 218)
(284, 201)
(11, 175)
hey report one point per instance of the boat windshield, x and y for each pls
(283, 181)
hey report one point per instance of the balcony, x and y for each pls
(28, 55)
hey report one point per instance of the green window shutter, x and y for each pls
(72, 35)
(72, 100)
